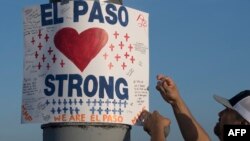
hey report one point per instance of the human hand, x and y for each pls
(155, 124)
(167, 89)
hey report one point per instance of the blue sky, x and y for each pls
(203, 45)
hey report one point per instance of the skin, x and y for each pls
(169, 92)
(228, 116)
(154, 124)
(185, 119)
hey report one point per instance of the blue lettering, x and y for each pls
(111, 15)
(50, 85)
(110, 8)
(61, 78)
(108, 87)
(45, 15)
(86, 86)
(56, 19)
(96, 13)
(120, 95)
(77, 11)
(77, 85)
(123, 10)
(90, 86)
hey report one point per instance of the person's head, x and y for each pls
(237, 111)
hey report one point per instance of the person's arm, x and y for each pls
(190, 129)
(155, 125)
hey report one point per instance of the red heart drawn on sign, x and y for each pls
(80, 48)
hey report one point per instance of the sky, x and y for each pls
(203, 45)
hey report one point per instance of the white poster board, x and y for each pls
(85, 61)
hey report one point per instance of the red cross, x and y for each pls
(43, 58)
(46, 37)
(54, 58)
(36, 55)
(40, 46)
(33, 40)
(48, 66)
(123, 65)
(121, 45)
(116, 34)
(39, 66)
(111, 47)
(130, 47)
(110, 65)
(62, 63)
(126, 55)
(105, 56)
(132, 59)
(117, 57)
(126, 37)
(50, 51)
(39, 34)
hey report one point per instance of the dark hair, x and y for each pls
(241, 119)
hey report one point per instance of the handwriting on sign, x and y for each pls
(25, 113)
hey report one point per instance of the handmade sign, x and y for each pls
(85, 61)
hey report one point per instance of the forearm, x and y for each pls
(190, 128)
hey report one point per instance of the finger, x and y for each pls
(163, 88)
(166, 87)
(159, 83)
(167, 121)
(163, 93)
(160, 76)
(143, 116)
(147, 123)
(159, 86)
(147, 130)
(169, 82)
(156, 113)
(166, 79)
